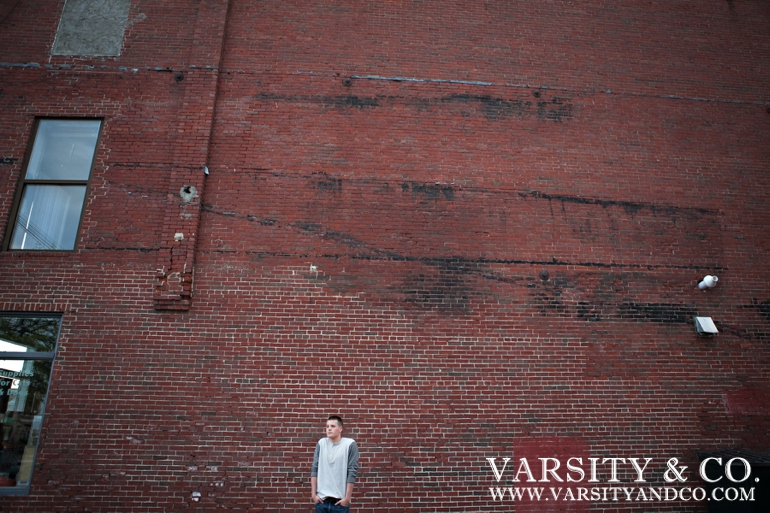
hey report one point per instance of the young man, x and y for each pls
(335, 465)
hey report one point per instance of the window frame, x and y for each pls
(20, 491)
(23, 182)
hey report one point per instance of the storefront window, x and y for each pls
(27, 349)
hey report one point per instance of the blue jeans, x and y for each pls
(328, 507)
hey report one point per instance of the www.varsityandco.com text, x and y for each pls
(597, 480)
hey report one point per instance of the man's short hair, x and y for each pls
(337, 418)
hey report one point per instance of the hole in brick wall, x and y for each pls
(188, 192)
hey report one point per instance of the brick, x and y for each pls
(375, 247)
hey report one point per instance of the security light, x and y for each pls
(708, 282)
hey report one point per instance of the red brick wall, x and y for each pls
(375, 249)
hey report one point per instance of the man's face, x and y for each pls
(333, 429)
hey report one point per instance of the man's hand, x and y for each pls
(315, 498)
(344, 502)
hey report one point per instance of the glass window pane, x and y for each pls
(32, 334)
(22, 399)
(48, 217)
(23, 391)
(63, 150)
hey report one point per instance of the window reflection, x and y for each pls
(27, 347)
(51, 196)
(22, 397)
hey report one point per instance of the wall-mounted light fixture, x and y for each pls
(708, 282)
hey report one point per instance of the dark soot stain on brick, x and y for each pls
(763, 307)
(429, 191)
(442, 288)
(669, 313)
(493, 108)
(324, 182)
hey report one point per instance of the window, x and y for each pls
(50, 199)
(27, 349)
